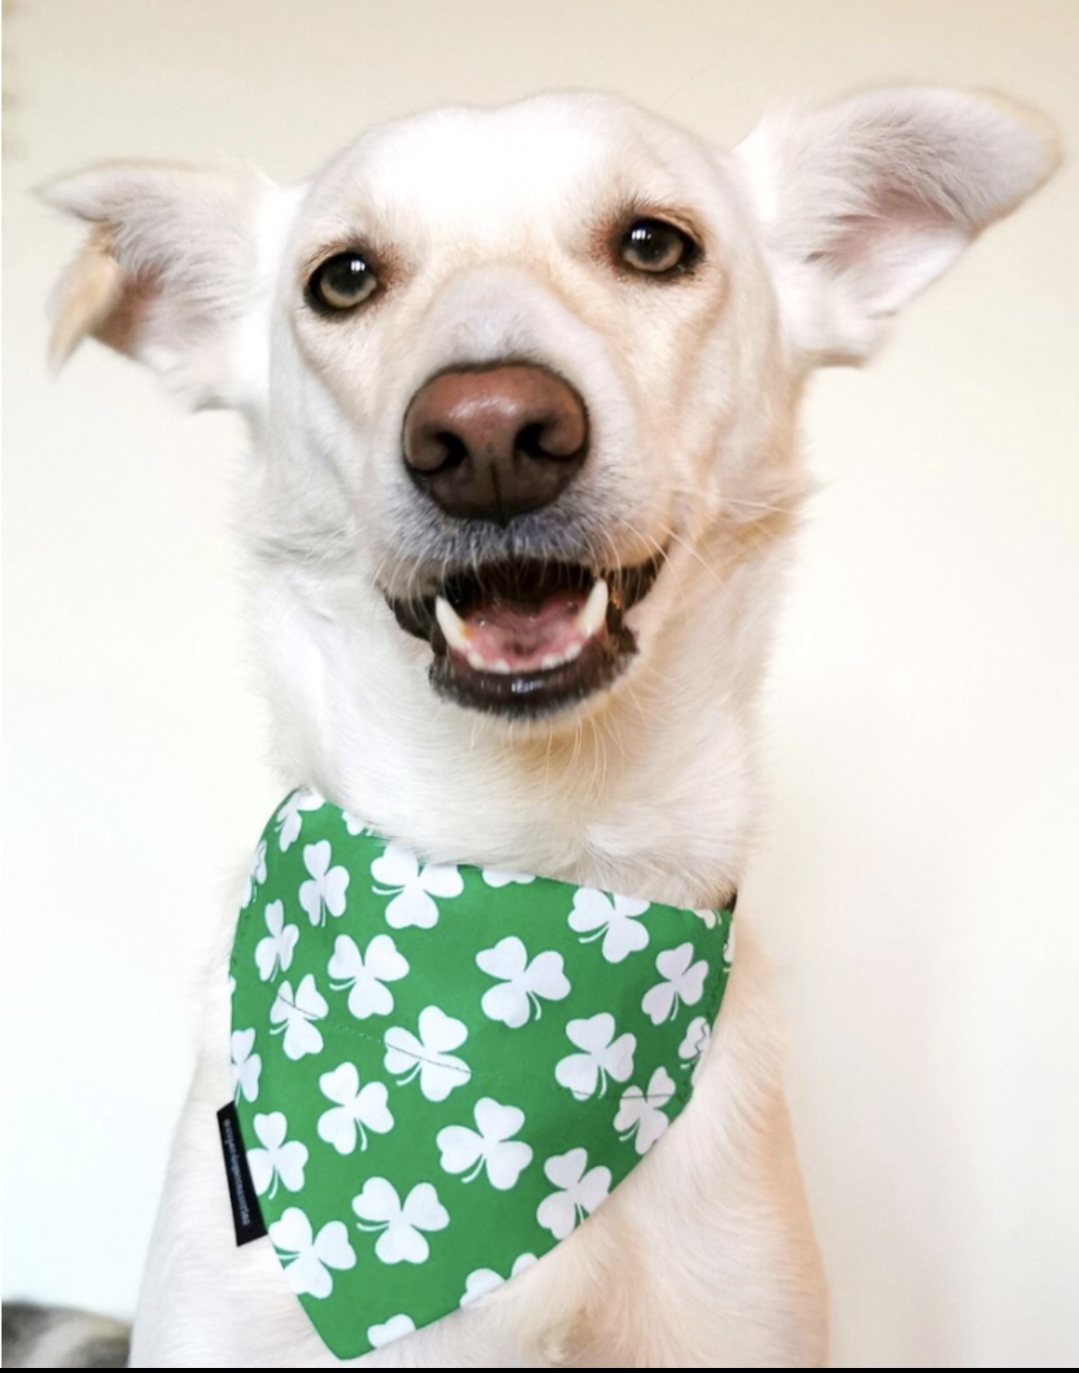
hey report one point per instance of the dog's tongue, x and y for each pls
(503, 635)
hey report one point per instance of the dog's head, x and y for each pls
(522, 381)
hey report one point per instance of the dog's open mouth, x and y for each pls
(526, 638)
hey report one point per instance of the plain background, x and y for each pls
(916, 879)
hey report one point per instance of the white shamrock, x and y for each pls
(428, 1057)
(307, 1258)
(596, 915)
(378, 1207)
(399, 871)
(293, 1016)
(276, 1160)
(491, 1145)
(495, 877)
(708, 916)
(728, 948)
(289, 817)
(246, 1066)
(365, 974)
(355, 826)
(484, 1280)
(695, 1044)
(522, 984)
(274, 953)
(641, 1113)
(604, 1056)
(357, 1110)
(393, 1329)
(683, 981)
(579, 1195)
(257, 873)
(326, 889)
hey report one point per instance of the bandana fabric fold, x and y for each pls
(440, 1071)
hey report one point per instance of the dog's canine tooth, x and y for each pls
(456, 631)
(591, 615)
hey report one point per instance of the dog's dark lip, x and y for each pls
(534, 693)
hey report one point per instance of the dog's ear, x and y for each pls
(866, 202)
(174, 268)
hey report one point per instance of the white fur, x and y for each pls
(492, 225)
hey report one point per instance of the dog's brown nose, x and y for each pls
(494, 443)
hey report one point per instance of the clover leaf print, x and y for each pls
(398, 872)
(307, 1258)
(522, 984)
(393, 1329)
(429, 1057)
(605, 1054)
(277, 1160)
(640, 1114)
(580, 1192)
(357, 1109)
(728, 948)
(694, 1046)
(354, 825)
(708, 916)
(400, 1225)
(274, 953)
(290, 816)
(613, 919)
(495, 877)
(246, 1066)
(366, 973)
(257, 873)
(490, 1146)
(294, 1017)
(326, 889)
(683, 982)
(484, 1280)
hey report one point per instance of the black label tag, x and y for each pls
(246, 1215)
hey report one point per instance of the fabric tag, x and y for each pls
(246, 1215)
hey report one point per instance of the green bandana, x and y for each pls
(441, 1071)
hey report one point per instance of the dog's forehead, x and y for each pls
(465, 171)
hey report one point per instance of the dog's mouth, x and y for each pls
(526, 638)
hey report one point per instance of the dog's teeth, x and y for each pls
(549, 660)
(456, 631)
(499, 665)
(475, 660)
(592, 614)
(574, 651)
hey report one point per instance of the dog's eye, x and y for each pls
(342, 282)
(649, 245)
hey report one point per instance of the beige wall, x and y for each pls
(917, 881)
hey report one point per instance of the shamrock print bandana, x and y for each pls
(441, 1071)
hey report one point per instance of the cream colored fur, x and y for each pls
(491, 226)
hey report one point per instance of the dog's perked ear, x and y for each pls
(175, 269)
(866, 202)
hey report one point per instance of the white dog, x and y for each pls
(522, 388)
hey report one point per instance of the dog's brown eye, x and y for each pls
(651, 246)
(342, 283)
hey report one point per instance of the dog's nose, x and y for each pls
(494, 443)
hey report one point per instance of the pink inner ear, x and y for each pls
(892, 218)
(888, 252)
(121, 327)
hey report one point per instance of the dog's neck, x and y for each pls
(648, 793)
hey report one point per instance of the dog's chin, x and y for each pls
(528, 639)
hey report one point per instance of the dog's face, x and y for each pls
(518, 338)
(522, 382)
